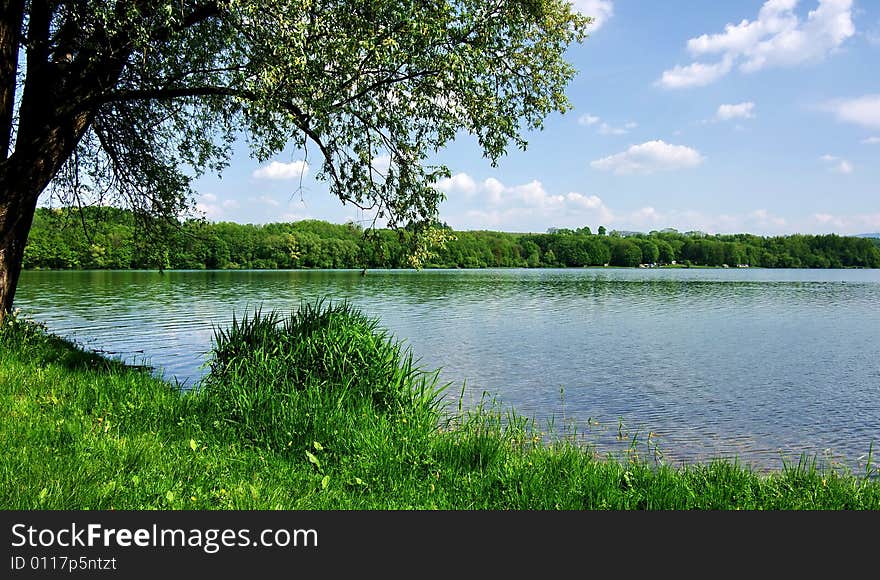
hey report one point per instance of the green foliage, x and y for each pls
(175, 83)
(58, 240)
(625, 253)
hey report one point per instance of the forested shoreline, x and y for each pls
(111, 238)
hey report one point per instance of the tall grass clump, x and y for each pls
(319, 374)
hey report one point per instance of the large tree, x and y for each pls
(126, 101)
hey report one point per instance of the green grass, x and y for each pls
(321, 409)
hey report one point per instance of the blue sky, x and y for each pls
(741, 116)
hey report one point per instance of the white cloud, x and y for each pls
(604, 128)
(269, 201)
(738, 111)
(778, 37)
(209, 197)
(458, 183)
(863, 111)
(582, 201)
(278, 170)
(694, 75)
(230, 204)
(599, 10)
(646, 217)
(839, 165)
(493, 189)
(588, 119)
(531, 193)
(513, 207)
(650, 157)
(851, 224)
(871, 141)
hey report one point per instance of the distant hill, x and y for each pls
(874, 235)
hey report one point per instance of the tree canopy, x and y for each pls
(126, 101)
(57, 241)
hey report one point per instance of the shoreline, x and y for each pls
(87, 432)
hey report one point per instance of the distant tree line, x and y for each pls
(110, 238)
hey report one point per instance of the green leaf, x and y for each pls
(193, 445)
(318, 446)
(169, 495)
(312, 459)
(325, 481)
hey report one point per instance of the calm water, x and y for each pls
(761, 364)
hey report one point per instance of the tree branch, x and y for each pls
(167, 94)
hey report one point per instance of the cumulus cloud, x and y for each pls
(777, 37)
(863, 110)
(458, 183)
(738, 111)
(871, 141)
(650, 157)
(278, 170)
(493, 189)
(599, 10)
(837, 164)
(694, 75)
(514, 207)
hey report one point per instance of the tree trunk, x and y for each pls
(23, 177)
(16, 216)
(53, 116)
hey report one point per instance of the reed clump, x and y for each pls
(317, 374)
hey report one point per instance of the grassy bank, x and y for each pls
(323, 410)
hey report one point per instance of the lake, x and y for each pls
(763, 365)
